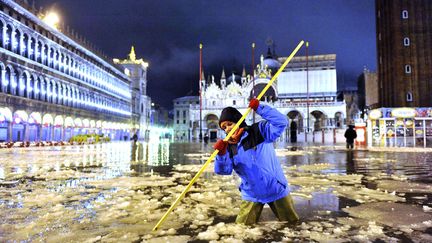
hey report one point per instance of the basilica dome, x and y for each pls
(272, 63)
(236, 77)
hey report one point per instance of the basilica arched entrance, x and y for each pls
(318, 120)
(212, 122)
(295, 116)
(339, 119)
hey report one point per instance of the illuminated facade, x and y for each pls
(136, 69)
(53, 86)
(299, 88)
(182, 122)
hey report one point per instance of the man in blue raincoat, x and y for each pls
(252, 156)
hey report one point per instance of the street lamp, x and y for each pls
(52, 19)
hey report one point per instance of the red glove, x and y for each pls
(221, 145)
(254, 103)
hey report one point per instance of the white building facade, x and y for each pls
(305, 92)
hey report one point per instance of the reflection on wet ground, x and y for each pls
(118, 191)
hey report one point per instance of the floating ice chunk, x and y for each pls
(201, 217)
(171, 231)
(428, 223)
(166, 239)
(305, 226)
(208, 235)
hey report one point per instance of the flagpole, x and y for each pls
(253, 77)
(307, 85)
(200, 91)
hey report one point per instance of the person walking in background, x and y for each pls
(135, 137)
(350, 135)
(252, 156)
(206, 138)
(293, 132)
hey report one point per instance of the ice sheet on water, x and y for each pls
(400, 149)
(168, 239)
(404, 186)
(192, 168)
(375, 160)
(285, 152)
(199, 155)
(363, 194)
(311, 168)
(390, 213)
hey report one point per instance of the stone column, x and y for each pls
(3, 30)
(63, 131)
(10, 131)
(38, 132)
(51, 132)
(26, 132)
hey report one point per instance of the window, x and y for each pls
(184, 121)
(178, 121)
(177, 113)
(406, 41)
(407, 68)
(234, 102)
(404, 14)
(409, 97)
(184, 113)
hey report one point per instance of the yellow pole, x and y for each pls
(213, 155)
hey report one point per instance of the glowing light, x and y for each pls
(127, 72)
(52, 19)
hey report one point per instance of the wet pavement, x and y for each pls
(117, 192)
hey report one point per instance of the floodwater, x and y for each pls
(117, 192)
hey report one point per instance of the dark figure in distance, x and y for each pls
(293, 132)
(350, 135)
(135, 137)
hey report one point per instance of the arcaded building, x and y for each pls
(404, 46)
(54, 85)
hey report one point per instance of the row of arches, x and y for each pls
(318, 120)
(38, 48)
(20, 125)
(18, 82)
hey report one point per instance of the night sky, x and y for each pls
(167, 34)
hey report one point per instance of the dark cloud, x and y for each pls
(167, 34)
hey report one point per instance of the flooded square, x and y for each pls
(117, 192)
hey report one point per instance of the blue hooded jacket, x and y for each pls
(254, 159)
